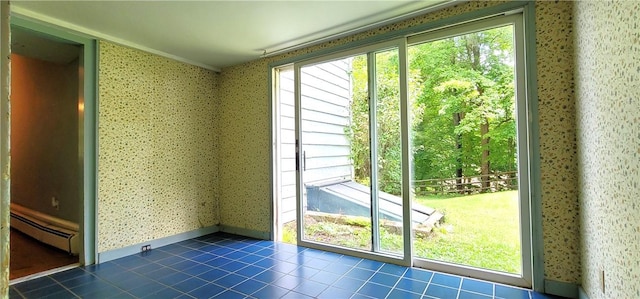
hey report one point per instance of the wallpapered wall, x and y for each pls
(607, 99)
(245, 197)
(158, 143)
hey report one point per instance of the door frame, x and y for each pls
(530, 59)
(88, 150)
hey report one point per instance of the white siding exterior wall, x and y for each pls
(326, 94)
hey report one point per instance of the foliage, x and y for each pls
(461, 92)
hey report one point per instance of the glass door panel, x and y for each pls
(347, 108)
(464, 142)
(388, 155)
(336, 205)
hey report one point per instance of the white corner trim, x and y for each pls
(38, 17)
(560, 288)
(582, 294)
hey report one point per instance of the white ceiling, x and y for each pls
(216, 34)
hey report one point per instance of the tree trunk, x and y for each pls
(485, 169)
(457, 117)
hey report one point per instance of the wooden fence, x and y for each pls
(500, 181)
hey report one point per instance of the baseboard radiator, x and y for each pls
(54, 231)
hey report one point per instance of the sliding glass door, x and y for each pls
(348, 124)
(470, 150)
(416, 151)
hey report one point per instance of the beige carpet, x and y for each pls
(29, 256)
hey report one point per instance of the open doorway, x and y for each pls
(46, 153)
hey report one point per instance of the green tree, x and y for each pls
(468, 125)
(461, 92)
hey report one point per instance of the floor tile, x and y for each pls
(180, 266)
(333, 293)
(14, 294)
(35, 284)
(147, 268)
(411, 285)
(250, 271)
(304, 272)
(203, 257)
(310, 288)
(283, 256)
(44, 291)
(79, 280)
(446, 280)
(174, 259)
(397, 293)
(384, 279)
(361, 274)
(146, 289)
(477, 286)
(506, 292)
(230, 294)
(130, 283)
(173, 279)
(370, 265)
(64, 294)
(288, 282)
(271, 291)
(226, 266)
(250, 286)
(234, 266)
(165, 293)
(349, 284)
(207, 291)
(325, 277)
(268, 276)
(337, 268)
(101, 291)
(230, 280)
(441, 292)
(235, 255)
(348, 260)
(190, 284)
(198, 269)
(316, 263)
(218, 262)
(295, 295)
(86, 289)
(250, 258)
(469, 295)
(418, 274)
(374, 290)
(213, 274)
(393, 269)
(69, 274)
(284, 267)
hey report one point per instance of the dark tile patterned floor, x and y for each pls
(228, 266)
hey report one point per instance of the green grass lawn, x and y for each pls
(480, 230)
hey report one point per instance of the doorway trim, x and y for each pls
(88, 120)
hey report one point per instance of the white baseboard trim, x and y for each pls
(245, 232)
(133, 249)
(582, 294)
(559, 288)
